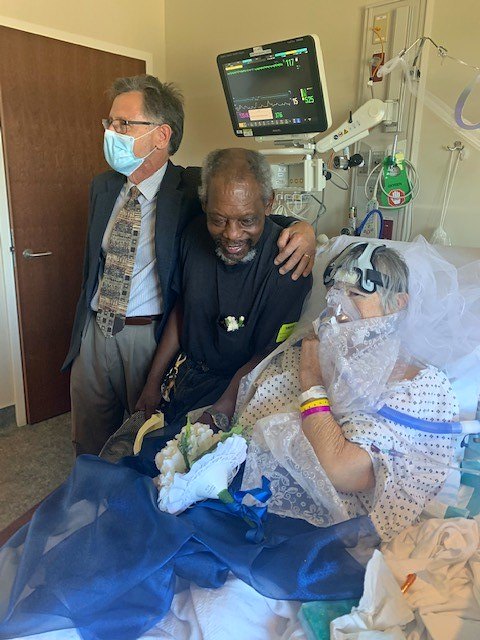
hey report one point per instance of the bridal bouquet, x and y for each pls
(198, 464)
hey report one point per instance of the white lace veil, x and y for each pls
(442, 323)
(357, 360)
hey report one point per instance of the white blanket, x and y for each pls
(232, 612)
(445, 598)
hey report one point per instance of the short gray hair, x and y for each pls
(239, 163)
(389, 263)
(162, 102)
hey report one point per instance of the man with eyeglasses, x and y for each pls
(137, 214)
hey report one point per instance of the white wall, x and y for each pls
(197, 31)
(138, 25)
(455, 26)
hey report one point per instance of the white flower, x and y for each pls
(175, 464)
(202, 440)
(170, 458)
(169, 462)
(166, 479)
(231, 323)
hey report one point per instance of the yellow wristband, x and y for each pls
(319, 402)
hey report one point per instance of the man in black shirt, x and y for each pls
(234, 306)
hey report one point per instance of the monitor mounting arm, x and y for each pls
(358, 125)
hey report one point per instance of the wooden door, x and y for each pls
(53, 95)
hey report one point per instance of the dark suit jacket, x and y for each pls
(177, 204)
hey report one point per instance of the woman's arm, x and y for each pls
(348, 466)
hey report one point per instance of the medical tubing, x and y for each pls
(449, 185)
(432, 102)
(460, 105)
(394, 453)
(367, 218)
(426, 426)
(344, 188)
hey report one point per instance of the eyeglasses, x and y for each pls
(120, 125)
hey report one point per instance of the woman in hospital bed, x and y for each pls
(345, 471)
(340, 455)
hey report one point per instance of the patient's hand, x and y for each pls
(297, 243)
(310, 372)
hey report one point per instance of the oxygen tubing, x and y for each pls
(417, 423)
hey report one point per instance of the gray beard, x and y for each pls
(248, 258)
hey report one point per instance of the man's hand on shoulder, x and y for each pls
(297, 246)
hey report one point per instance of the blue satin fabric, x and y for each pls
(252, 515)
(100, 557)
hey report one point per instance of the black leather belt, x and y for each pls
(141, 320)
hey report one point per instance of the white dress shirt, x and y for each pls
(145, 292)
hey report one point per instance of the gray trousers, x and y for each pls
(107, 378)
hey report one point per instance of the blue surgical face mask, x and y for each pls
(118, 150)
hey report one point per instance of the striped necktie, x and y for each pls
(119, 263)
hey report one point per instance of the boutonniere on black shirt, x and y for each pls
(230, 323)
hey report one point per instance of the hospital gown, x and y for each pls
(410, 466)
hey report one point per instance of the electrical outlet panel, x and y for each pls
(371, 158)
(295, 176)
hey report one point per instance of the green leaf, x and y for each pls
(184, 444)
(235, 430)
(225, 496)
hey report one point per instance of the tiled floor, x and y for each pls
(34, 460)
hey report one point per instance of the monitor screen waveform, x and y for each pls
(262, 67)
(263, 102)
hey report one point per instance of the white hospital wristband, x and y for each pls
(314, 393)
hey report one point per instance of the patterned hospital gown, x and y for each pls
(403, 484)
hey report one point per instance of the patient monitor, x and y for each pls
(277, 89)
(278, 92)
